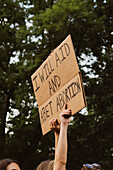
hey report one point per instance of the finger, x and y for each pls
(67, 116)
(54, 121)
(51, 123)
(50, 126)
(57, 122)
(70, 111)
(51, 120)
(65, 107)
(66, 112)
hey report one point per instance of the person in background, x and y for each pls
(97, 166)
(9, 164)
(93, 166)
(87, 167)
(60, 130)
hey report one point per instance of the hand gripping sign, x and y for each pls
(57, 82)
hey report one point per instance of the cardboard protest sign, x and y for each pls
(57, 82)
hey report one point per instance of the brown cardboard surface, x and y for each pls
(71, 93)
(59, 68)
(56, 82)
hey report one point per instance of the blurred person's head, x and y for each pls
(45, 165)
(9, 164)
(94, 166)
(87, 167)
(97, 166)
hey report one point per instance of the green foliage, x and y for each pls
(29, 30)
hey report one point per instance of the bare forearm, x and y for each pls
(61, 151)
(56, 140)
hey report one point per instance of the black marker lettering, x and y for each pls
(73, 89)
(51, 88)
(52, 69)
(42, 115)
(58, 103)
(78, 85)
(37, 87)
(57, 59)
(62, 53)
(46, 110)
(54, 84)
(41, 76)
(45, 68)
(67, 49)
(63, 99)
(66, 96)
(69, 93)
(50, 104)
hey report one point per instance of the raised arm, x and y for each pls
(61, 150)
(55, 126)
